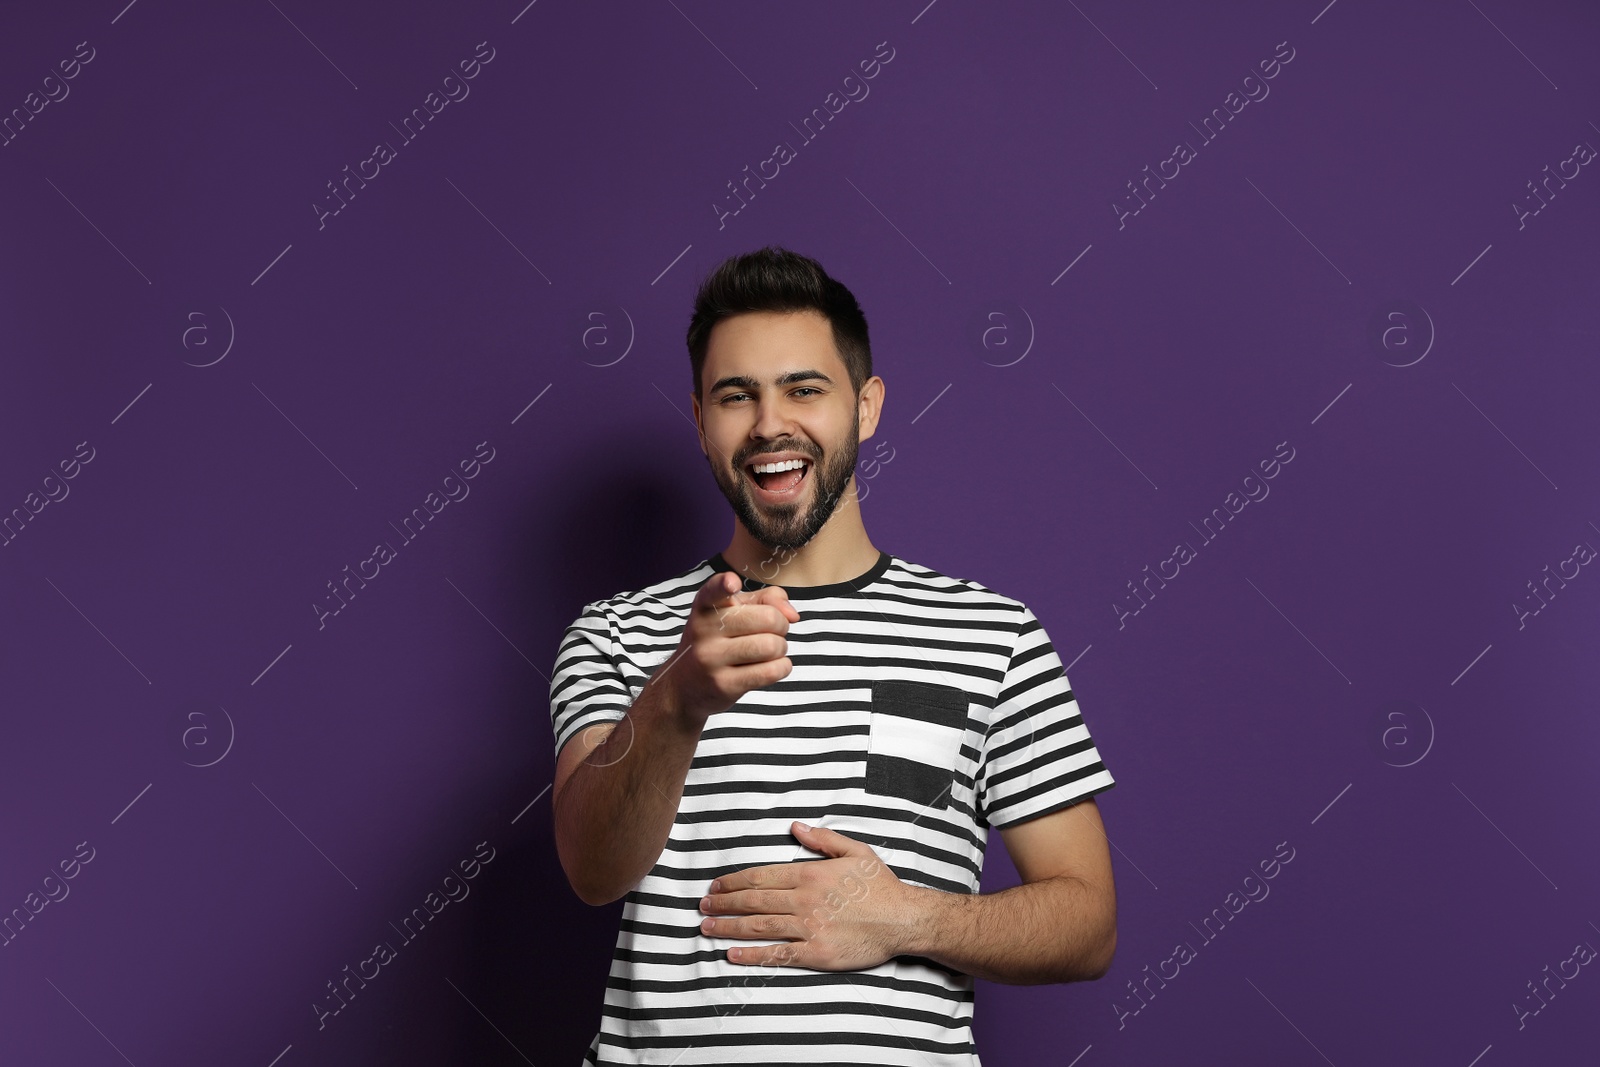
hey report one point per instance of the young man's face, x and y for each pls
(775, 389)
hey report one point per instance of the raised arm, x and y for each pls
(618, 784)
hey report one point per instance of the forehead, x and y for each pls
(764, 344)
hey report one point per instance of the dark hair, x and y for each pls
(776, 279)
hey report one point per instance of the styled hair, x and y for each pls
(776, 279)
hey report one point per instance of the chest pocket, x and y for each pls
(915, 740)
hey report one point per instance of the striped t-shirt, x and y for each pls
(921, 710)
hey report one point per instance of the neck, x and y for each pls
(839, 552)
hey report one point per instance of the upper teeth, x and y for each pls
(773, 468)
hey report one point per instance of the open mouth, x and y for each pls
(781, 480)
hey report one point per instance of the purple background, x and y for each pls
(1342, 669)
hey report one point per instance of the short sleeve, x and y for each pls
(1038, 756)
(587, 686)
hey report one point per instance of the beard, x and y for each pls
(786, 527)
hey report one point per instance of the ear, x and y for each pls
(694, 402)
(869, 405)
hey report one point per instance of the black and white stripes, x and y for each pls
(921, 711)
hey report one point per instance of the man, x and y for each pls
(792, 784)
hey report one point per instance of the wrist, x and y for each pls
(926, 920)
(672, 709)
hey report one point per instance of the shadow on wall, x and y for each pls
(633, 515)
(615, 518)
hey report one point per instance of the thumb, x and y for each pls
(778, 598)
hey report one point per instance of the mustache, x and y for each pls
(753, 457)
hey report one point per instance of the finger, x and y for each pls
(711, 591)
(749, 650)
(768, 876)
(832, 842)
(752, 596)
(735, 595)
(778, 597)
(767, 594)
(748, 677)
(753, 619)
(785, 955)
(736, 680)
(715, 589)
(754, 927)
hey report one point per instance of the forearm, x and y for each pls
(1059, 929)
(615, 811)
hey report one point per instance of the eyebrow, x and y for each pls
(745, 382)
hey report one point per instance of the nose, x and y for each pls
(773, 420)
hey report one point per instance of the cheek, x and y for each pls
(719, 446)
(832, 436)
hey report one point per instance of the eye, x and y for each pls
(731, 396)
(807, 389)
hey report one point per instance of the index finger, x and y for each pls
(715, 589)
(767, 876)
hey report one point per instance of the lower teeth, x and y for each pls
(778, 476)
